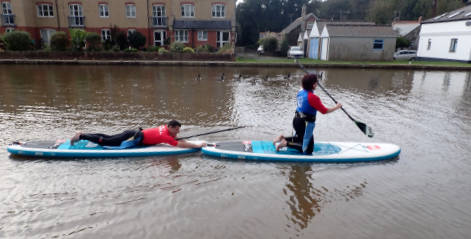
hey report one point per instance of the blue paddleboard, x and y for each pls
(324, 152)
(87, 149)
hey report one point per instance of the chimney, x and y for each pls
(303, 10)
(420, 19)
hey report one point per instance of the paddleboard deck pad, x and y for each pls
(324, 152)
(87, 149)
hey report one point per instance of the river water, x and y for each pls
(425, 193)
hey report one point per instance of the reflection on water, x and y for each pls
(306, 200)
(424, 194)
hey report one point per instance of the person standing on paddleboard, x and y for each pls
(163, 134)
(305, 117)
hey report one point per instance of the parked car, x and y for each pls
(405, 55)
(295, 52)
(260, 50)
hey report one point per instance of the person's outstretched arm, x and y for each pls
(186, 144)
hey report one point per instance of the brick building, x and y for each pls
(192, 22)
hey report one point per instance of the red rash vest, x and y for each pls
(159, 135)
(316, 103)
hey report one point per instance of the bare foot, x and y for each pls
(278, 139)
(75, 138)
(282, 144)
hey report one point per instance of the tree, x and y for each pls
(136, 40)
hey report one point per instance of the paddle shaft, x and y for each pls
(326, 92)
(211, 132)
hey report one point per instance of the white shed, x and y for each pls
(447, 37)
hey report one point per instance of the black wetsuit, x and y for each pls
(110, 140)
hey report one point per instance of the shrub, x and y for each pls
(136, 40)
(93, 41)
(18, 41)
(115, 48)
(205, 49)
(78, 39)
(59, 41)
(177, 47)
(2, 44)
(122, 40)
(402, 42)
(154, 48)
(202, 49)
(226, 49)
(284, 47)
(108, 44)
(163, 51)
(270, 44)
(188, 50)
(130, 49)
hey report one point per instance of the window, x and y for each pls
(453, 44)
(131, 10)
(76, 18)
(105, 34)
(159, 37)
(6, 6)
(103, 9)
(218, 10)
(222, 38)
(46, 35)
(181, 35)
(378, 44)
(8, 18)
(429, 44)
(158, 11)
(158, 15)
(202, 35)
(188, 10)
(45, 10)
(75, 10)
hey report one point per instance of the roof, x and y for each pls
(202, 24)
(296, 23)
(404, 28)
(460, 14)
(336, 30)
(322, 23)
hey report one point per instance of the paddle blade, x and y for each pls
(365, 129)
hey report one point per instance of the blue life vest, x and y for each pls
(303, 104)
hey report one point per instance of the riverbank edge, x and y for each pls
(230, 63)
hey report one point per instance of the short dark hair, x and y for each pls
(174, 123)
(308, 81)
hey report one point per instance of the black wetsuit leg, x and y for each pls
(296, 142)
(109, 140)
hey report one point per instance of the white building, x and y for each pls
(447, 37)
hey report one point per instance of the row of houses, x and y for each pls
(444, 37)
(192, 22)
(328, 40)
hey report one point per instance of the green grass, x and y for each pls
(311, 61)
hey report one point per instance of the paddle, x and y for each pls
(212, 132)
(363, 127)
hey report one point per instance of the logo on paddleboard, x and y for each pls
(373, 147)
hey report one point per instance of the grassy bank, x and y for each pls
(386, 63)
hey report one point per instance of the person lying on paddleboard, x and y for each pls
(163, 134)
(305, 117)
